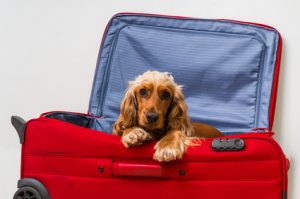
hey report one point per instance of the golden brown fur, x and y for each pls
(154, 108)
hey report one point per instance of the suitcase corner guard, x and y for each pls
(20, 125)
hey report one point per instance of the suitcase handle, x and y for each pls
(140, 169)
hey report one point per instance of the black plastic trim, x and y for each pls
(284, 195)
(228, 144)
(36, 185)
(20, 126)
(26, 193)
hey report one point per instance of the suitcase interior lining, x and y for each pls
(220, 64)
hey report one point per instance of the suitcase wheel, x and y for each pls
(27, 192)
(30, 188)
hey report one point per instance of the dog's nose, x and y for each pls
(152, 116)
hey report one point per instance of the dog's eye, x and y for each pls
(165, 95)
(143, 92)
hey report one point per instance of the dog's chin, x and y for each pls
(150, 127)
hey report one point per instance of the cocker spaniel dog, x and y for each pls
(154, 109)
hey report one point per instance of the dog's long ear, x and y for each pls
(128, 113)
(177, 115)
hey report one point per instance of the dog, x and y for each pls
(154, 108)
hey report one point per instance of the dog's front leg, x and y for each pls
(135, 136)
(171, 146)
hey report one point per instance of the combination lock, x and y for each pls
(228, 144)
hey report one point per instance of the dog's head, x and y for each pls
(154, 102)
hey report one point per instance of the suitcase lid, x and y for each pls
(229, 69)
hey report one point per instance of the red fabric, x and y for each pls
(76, 162)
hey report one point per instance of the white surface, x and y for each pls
(48, 51)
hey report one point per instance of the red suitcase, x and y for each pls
(229, 70)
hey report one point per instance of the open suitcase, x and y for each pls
(229, 70)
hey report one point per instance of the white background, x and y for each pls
(48, 52)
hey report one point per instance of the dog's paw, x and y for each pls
(168, 153)
(135, 137)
